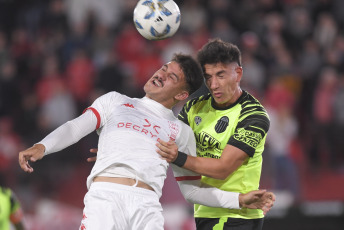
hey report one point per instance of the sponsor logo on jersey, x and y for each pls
(249, 137)
(206, 142)
(145, 128)
(198, 120)
(221, 124)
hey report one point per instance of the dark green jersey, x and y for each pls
(8, 206)
(244, 125)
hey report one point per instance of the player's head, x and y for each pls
(221, 65)
(218, 51)
(175, 80)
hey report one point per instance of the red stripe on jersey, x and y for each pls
(181, 178)
(95, 113)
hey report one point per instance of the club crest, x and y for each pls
(221, 124)
(198, 120)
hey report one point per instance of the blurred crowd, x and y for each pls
(57, 56)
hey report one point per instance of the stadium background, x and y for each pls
(57, 56)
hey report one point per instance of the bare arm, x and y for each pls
(231, 159)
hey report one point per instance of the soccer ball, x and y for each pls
(157, 19)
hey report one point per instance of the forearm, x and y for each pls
(209, 167)
(209, 196)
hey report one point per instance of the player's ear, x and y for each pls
(239, 72)
(182, 95)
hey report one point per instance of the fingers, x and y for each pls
(24, 164)
(259, 193)
(167, 150)
(32, 154)
(94, 150)
(266, 210)
(271, 196)
(91, 159)
(165, 156)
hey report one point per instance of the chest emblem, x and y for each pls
(198, 120)
(221, 124)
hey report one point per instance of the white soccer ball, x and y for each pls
(157, 19)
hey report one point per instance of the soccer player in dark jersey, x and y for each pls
(10, 210)
(230, 127)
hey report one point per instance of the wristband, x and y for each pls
(181, 159)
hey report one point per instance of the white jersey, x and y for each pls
(128, 130)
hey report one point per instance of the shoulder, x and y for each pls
(193, 106)
(197, 101)
(252, 111)
(111, 97)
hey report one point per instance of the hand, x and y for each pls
(167, 150)
(32, 154)
(258, 199)
(92, 159)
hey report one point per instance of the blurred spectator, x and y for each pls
(79, 39)
(4, 52)
(9, 89)
(111, 77)
(54, 18)
(325, 30)
(322, 150)
(255, 75)
(80, 74)
(194, 16)
(338, 109)
(179, 43)
(10, 145)
(310, 61)
(102, 42)
(50, 80)
(106, 13)
(283, 131)
(223, 29)
(20, 49)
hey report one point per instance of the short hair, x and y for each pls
(218, 51)
(192, 71)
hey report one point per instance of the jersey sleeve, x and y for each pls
(103, 106)
(183, 116)
(69, 133)
(249, 132)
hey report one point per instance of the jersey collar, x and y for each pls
(244, 93)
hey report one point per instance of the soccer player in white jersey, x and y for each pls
(126, 181)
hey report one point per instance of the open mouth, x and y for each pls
(158, 83)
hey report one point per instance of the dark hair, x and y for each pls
(218, 51)
(192, 71)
